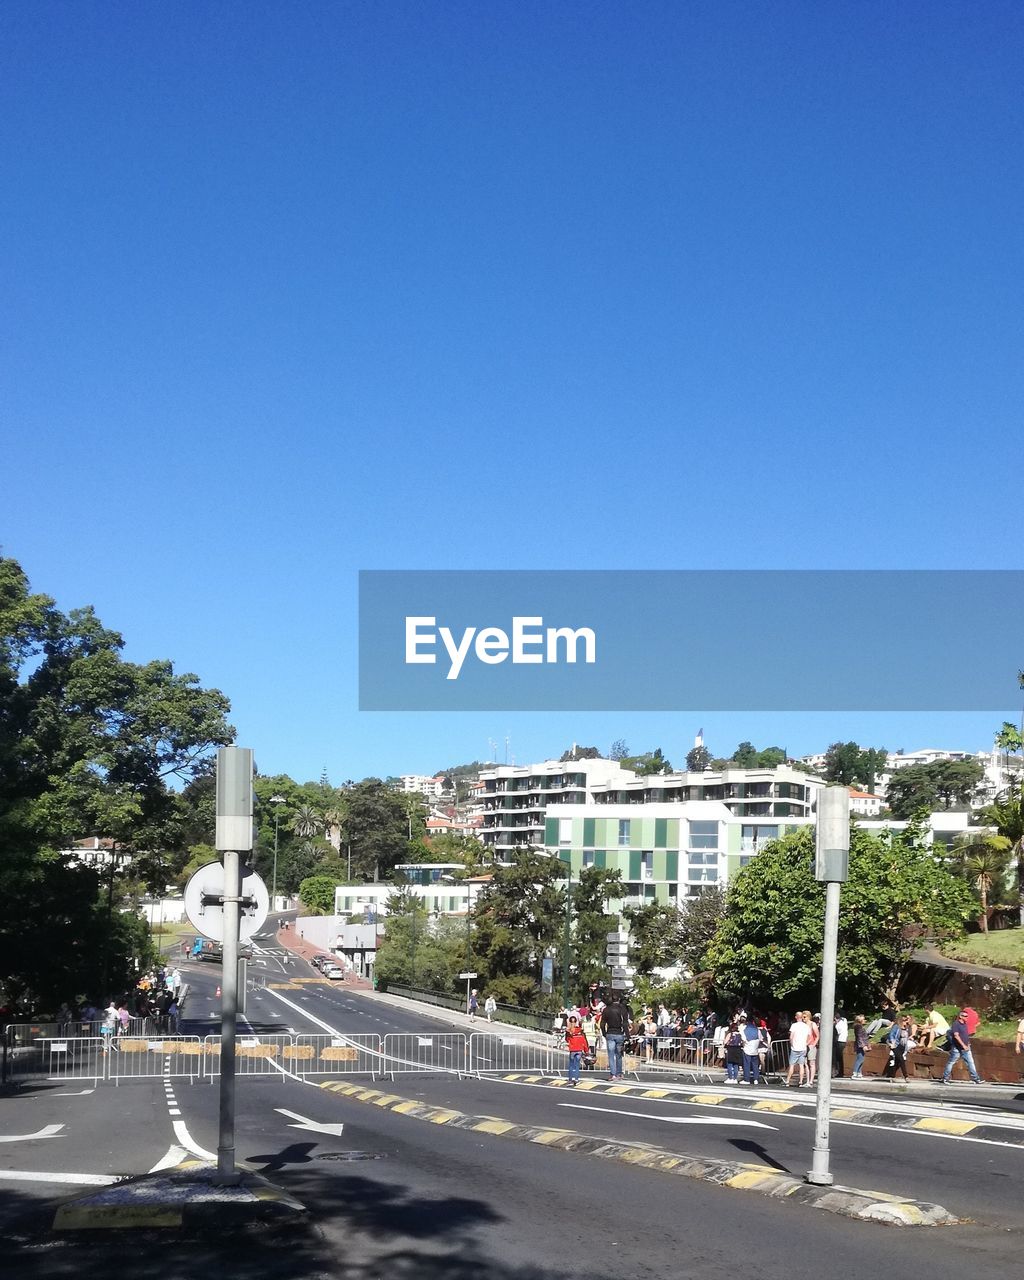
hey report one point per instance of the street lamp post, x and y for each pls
(565, 954)
(276, 801)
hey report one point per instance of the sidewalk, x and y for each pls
(288, 939)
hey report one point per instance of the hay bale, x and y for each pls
(299, 1052)
(339, 1053)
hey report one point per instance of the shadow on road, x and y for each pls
(756, 1149)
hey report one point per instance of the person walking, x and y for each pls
(860, 1046)
(474, 1004)
(751, 1052)
(960, 1047)
(898, 1041)
(616, 1023)
(490, 1007)
(577, 1044)
(799, 1038)
(814, 1035)
(733, 1053)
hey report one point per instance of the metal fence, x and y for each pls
(147, 1058)
(335, 1055)
(500, 1053)
(254, 1056)
(447, 1052)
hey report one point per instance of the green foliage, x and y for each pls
(653, 937)
(768, 947)
(517, 918)
(747, 756)
(317, 894)
(698, 921)
(579, 753)
(698, 759)
(591, 925)
(650, 762)
(618, 750)
(923, 787)
(851, 765)
(88, 743)
(983, 860)
(378, 826)
(200, 855)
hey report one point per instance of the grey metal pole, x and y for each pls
(277, 828)
(819, 1172)
(831, 865)
(227, 1175)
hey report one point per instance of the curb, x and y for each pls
(185, 1196)
(775, 1105)
(850, 1202)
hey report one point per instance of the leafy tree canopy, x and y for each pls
(650, 762)
(851, 765)
(747, 756)
(317, 894)
(698, 759)
(768, 947)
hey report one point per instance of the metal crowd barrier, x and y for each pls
(502, 1053)
(150, 1057)
(341, 1055)
(408, 1051)
(254, 1056)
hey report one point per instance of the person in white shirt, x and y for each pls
(841, 1035)
(935, 1027)
(1018, 1044)
(799, 1038)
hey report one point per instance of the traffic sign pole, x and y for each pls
(234, 833)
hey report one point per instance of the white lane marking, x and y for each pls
(640, 1115)
(75, 1179)
(78, 1093)
(185, 1138)
(174, 1156)
(314, 1126)
(50, 1131)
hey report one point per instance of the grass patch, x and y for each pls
(1004, 948)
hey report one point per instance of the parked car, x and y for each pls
(334, 972)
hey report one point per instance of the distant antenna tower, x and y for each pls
(506, 747)
(494, 749)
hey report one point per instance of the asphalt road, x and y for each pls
(394, 1196)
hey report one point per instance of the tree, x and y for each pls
(768, 947)
(591, 922)
(306, 822)
(747, 756)
(377, 828)
(518, 918)
(1007, 816)
(911, 791)
(618, 750)
(699, 919)
(579, 753)
(405, 927)
(982, 859)
(851, 765)
(698, 759)
(653, 936)
(317, 894)
(956, 781)
(88, 746)
(650, 762)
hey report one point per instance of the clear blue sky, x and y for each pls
(292, 290)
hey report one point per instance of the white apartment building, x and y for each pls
(864, 804)
(432, 788)
(779, 792)
(513, 799)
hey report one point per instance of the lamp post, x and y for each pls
(276, 801)
(565, 955)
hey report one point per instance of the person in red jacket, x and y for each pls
(576, 1043)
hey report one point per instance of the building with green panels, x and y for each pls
(664, 852)
(778, 792)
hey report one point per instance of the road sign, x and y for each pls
(618, 936)
(620, 971)
(203, 906)
(469, 975)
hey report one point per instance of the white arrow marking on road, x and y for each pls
(639, 1115)
(50, 1131)
(313, 1125)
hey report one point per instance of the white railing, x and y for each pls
(147, 1057)
(254, 1056)
(506, 1053)
(447, 1052)
(340, 1055)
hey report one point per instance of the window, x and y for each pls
(702, 875)
(623, 831)
(565, 830)
(702, 859)
(673, 891)
(649, 892)
(703, 835)
(588, 858)
(647, 865)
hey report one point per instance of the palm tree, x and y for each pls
(307, 821)
(983, 859)
(1007, 816)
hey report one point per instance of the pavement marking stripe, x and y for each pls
(655, 1093)
(777, 1108)
(708, 1099)
(938, 1124)
(71, 1217)
(75, 1179)
(490, 1126)
(620, 1088)
(546, 1136)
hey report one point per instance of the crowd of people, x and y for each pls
(154, 1004)
(743, 1042)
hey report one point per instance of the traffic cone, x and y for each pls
(217, 993)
